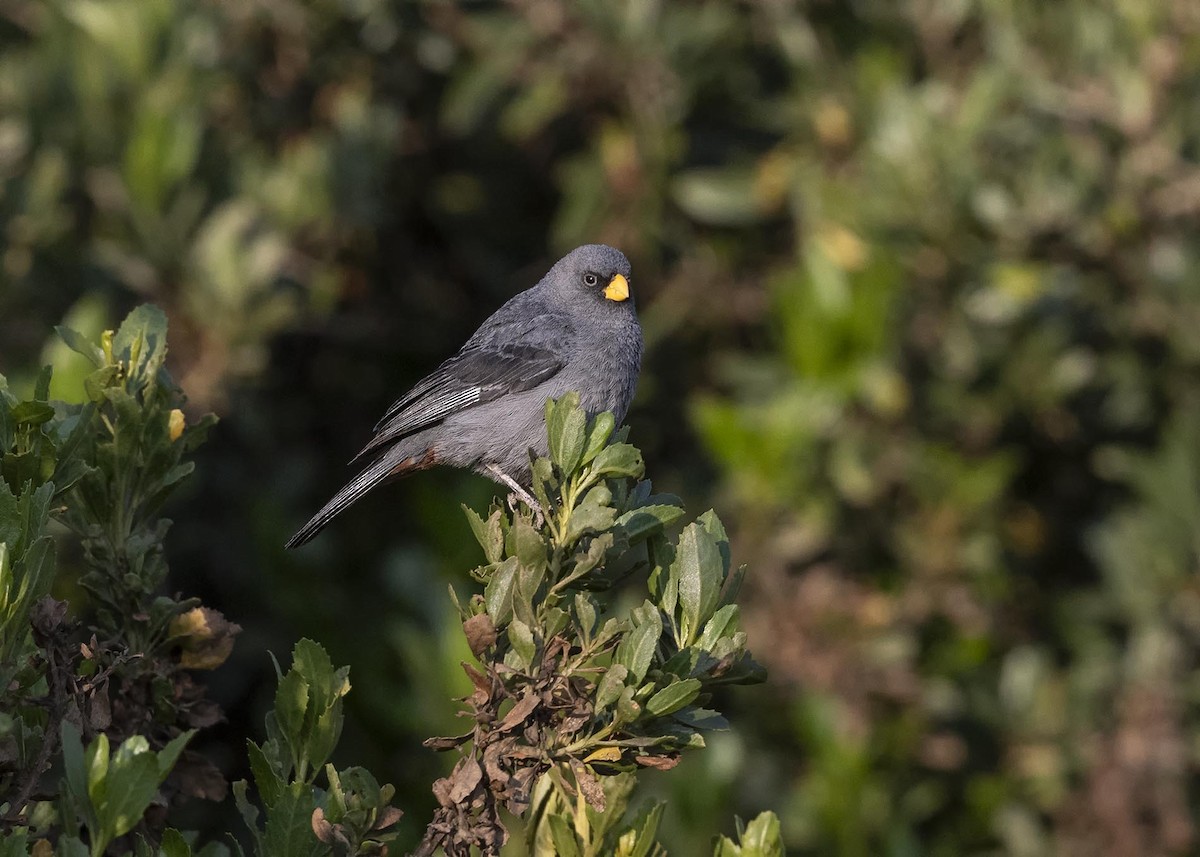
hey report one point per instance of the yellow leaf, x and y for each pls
(605, 754)
(175, 424)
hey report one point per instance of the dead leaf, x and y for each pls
(447, 743)
(589, 784)
(202, 713)
(520, 785)
(572, 724)
(388, 816)
(100, 709)
(661, 763)
(206, 637)
(330, 834)
(196, 776)
(481, 633)
(482, 684)
(46, 616)
(519, 712)
(321, 828)
(465, 777)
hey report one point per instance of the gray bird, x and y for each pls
(483, 409)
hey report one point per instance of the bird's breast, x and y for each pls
(606, 372)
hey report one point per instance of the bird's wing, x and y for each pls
(486, 368)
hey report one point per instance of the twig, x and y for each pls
(49, 738)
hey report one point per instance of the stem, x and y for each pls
(584, 743)
(49, 738)
(569, 494)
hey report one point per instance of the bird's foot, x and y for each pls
(519, 495)
(514, 499)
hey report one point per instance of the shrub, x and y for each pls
(575, 688)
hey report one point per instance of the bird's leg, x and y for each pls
(519, 493)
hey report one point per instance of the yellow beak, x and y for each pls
(617, 288)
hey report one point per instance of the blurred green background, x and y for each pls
(920, 282)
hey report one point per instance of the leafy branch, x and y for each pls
(573, 691)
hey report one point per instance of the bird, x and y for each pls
(483, 409)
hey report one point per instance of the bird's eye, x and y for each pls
(590, 279)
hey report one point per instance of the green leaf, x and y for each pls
(647, 829)
(663, 580)
(32, 413)
(565, 424)
(498, 594)
(627, 709)
(716, 530)
(174, 845)
(527, 545)
(97, 384)
(554, 619)
(543, 478)
(75, 769)
(722, 623)
(96, 759)
(141, 341)
(673, 697)
(698, 567)
(619, 459)
(523, 646)
(585, 615)
(487, 533)
(289, 824)
(587, 562)
(566, 844)
(702, 719)
(80, 344)
(610, 686)
(246, 809)
(598, 433)
(685, 661)
(41, 387)
(325, 685)
(268, 782)
(11, 518)
(646, 521)
(133, 778)
(14, 844)
(732, 585)
(593, 515)
(323, 738)
(291, 704)
(760, 838)
(636, 649)
(169, 755)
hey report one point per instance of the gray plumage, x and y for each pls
(483, 409)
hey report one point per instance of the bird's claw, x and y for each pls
(519, 494)
(514, 499)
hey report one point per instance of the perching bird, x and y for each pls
(483, 409)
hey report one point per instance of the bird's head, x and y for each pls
(593, 275)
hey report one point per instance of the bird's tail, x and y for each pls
(391, 464)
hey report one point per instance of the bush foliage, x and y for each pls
(571, 695)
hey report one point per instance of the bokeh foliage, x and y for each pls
(919, 282)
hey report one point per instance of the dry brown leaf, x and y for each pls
(480, 632)
(519, 712)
